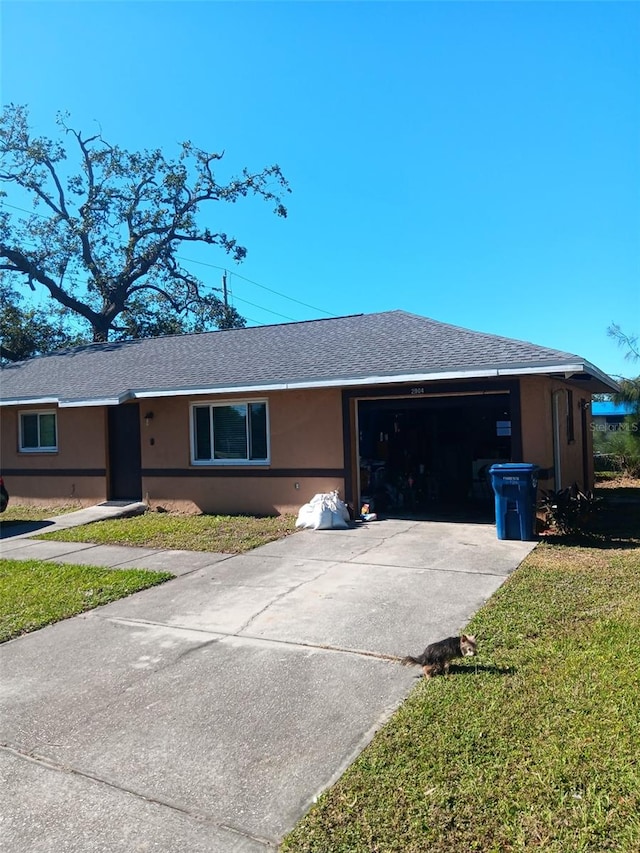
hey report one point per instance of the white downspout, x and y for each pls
(557, 459)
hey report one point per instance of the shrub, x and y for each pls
(569, 510)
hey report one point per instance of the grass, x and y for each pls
(532, 746)
(217, 533)
(20, 512)
(613, 485)
(34, 593)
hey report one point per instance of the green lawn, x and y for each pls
(14, 514)
(34, 593)
(532, 746)
(217, 533)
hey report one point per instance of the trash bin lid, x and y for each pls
(513, 467)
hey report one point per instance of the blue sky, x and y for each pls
(474, 162)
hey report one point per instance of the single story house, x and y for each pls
(391, 408)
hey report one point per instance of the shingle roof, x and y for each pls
(384, 347)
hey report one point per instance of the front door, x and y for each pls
(125, 468)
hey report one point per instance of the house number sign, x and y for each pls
(417, 391)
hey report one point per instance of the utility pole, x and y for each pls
(225, 295)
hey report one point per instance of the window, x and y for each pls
(229, 433)
(571, 433)
(38, 432)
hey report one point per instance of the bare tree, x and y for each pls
(103, 237)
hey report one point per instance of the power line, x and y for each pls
(231, 272)
(257, 284)
(259, 307)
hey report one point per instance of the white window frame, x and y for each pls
(38, 413)
(226, 462)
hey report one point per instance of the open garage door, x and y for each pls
(430, 455)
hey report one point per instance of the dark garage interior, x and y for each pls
(430, 455)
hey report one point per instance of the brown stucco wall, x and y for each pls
(536, 394)
(231, 495)
(77, 467)
(306, 443)
(307, 428)
(306, 440)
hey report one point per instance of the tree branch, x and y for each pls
(22, 264)
(87, 252)
(113, 227)
(177, 306)
(630, 341)
(8, 355)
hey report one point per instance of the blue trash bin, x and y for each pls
(515, 485)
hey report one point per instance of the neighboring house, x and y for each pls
(395, 408)
(607, 416)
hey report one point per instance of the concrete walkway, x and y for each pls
(100, 512)
(205, 715)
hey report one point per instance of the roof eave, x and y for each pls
(69, 402)
(29, 401)
(599, 383)
(566, 369)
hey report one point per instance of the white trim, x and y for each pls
(557, 437)
(214, 463)
(564, 368)
(76, 404)
(70, 402)
(34, 401)
(40, 448)
(387, 379)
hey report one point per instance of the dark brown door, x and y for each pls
(125, 470)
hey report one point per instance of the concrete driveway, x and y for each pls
(205, 715)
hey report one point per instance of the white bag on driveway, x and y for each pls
(324, 512)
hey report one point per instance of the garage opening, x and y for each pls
(429, 456)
